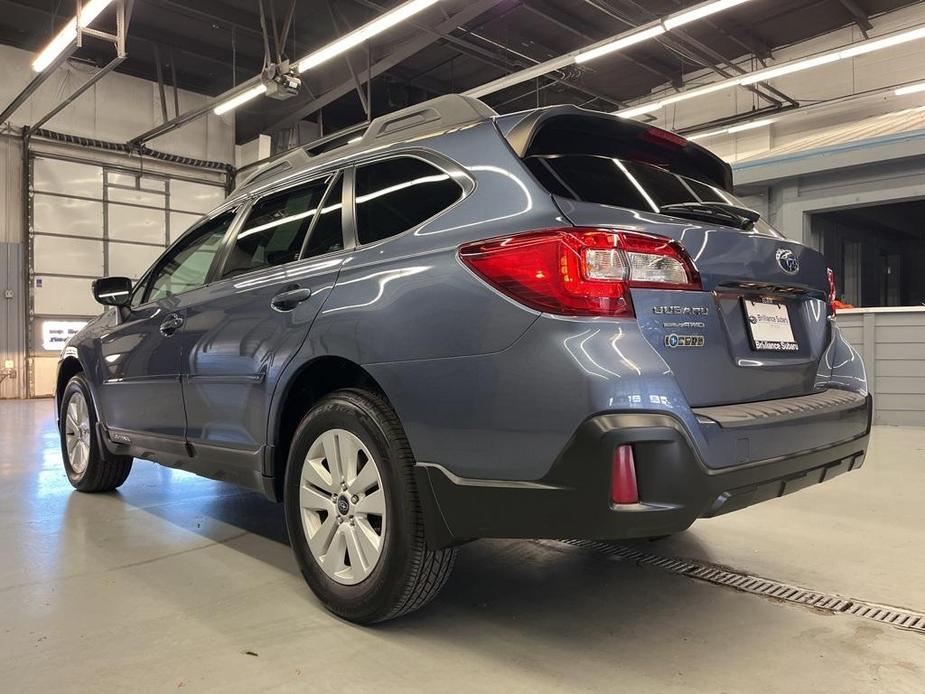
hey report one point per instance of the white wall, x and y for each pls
(117, 109)
(873, 71)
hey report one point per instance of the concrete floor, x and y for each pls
(179, 582)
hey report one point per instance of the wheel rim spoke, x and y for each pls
(315, 474)
(370, 541)
(332, 455)
(374, 503)
(313, 500)
(366, 479)
(334, 560)
(320, 541)
(359, 566)
(343, 523)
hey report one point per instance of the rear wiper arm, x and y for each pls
(742, 217)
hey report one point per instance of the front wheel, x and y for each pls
(353, 513)
(89, 468)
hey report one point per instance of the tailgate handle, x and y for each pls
(289, 299)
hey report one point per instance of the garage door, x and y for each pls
(90, 220)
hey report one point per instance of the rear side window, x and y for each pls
(327, 235)
(398, 194)
(275, 229)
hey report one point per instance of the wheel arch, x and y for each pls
(305, 387)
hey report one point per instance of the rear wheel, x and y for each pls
(89, 468)
(353, 512)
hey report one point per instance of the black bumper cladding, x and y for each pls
(573, 500)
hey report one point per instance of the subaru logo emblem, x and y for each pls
(788, 261)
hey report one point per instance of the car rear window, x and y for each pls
(627, 184)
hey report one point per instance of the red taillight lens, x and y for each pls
(580, 272)
(623, 488)
(832, 293)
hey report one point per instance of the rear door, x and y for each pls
(760, 329)
(141, 396)
(241, 331)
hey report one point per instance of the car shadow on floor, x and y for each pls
(493, 579)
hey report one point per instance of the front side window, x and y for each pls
(275, 229)
(398, 194)
(187, 265)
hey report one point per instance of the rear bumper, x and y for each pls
(675, 487)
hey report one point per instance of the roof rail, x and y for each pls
(432, 116)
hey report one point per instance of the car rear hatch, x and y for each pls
(759, 329)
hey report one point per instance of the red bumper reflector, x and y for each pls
(623, 477)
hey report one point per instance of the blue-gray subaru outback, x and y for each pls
(550, 324)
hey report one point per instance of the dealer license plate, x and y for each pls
(769, 325)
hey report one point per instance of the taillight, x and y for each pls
(580, 271)
(832, 294)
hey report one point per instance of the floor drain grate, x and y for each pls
(896, 617)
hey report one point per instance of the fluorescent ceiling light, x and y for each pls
(732, 129)
(878, 44)
(789, 68)
(62, 41)
(911, 89)
(620, 43)
(365, 32)
(699, 12)
(639, 110)
(241, 98)
(785, 69)
(700, 91)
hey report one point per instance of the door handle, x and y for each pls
(171, 324)
(289, 299)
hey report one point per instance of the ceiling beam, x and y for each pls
(398, 55)
(858, 16)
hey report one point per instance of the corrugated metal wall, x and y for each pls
(892, 343)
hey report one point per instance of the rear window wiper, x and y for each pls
(740, 217)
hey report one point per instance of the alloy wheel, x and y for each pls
(342, 505)
(77, 433)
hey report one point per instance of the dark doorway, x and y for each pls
(877, 252)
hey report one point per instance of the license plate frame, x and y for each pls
(769, 325)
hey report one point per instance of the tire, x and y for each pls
(352, 580)
(89, 468)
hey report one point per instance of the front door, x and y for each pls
(241, 331)
(141, 396)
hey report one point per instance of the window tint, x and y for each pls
(633, 185)
(188, 263)
(395, 195)
(592, 179)
(663, 187)
(275, 229)
(328, 235)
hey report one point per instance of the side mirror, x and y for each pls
(113, 291)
